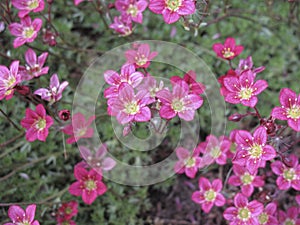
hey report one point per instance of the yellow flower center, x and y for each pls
(293, 112)
(190, 162)
(245, 93)
(210, 195)
(263, 218)
(80, 132)
(28, 32)
(215, 152)
(132, 10)
(173, 5)
(10, 82)
(227, 53)
(132, 108)
(177, 105)
(244, 214)
(289, 222)
(247, 178)
(141, 60)
(90, 185)
(68, 210)
(289, 174)
(40, 124)
(33, 4)
(256, 151)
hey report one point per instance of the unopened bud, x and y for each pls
(23, 90)
(127, 130)
(64, 114)
(236, 117)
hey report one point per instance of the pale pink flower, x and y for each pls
(267, 217)
(188, 163)
(140, 57)
(128, 106)
(79, 128)
(290, 108)
(34, 67)
(245, 180)
(179, 102)
(97, 160)
(26, 31)
(27, 6)
(21, 217)
(247, 64)
(89, 184)
(132, 8)
(128, 75)
(287, 176)
(209, 194)
(9, 78)
(36, 123)
(172, 10)
(150, 84)
(54, 93)
(122, 25)
(291, 217)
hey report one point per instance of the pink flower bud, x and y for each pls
(235, 117)
(64, 114)
(23, 90)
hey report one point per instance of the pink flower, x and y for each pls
(9, 78)
(36, 123)
(79, 128)
(132, 8)
(172, 9)
(67, 210)
(54, 93)
(27, 6)
(88, 185)
(188, 163)
(128, 75)
(253, 152)
(289, 218)
(247, 64)
(21, 217)
(141, 57)
(34, 67)
(243, 89)
(195, 87)
(290, 108)
(287, 176)
(122, 25)
(26, 31)
(214, 150)
(178, 102)
(230, 73)
(63, 221)
(209, 194)
(229, 50)
(97, 160)
(245, 180)
(150, 84)
(128, 107)
(244, 212)
(267, 217)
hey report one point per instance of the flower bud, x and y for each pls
(235, 117)
(23, 90)
(64, 114)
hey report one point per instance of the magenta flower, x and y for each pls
(291, 217)
(122, 25)
(247, 64)
(214, 150)
(63, 221)
(79, 128)
(36, 123)
(243, 89)
(171, 10)
(9, 78)
(27, 6)
(141, 57)
(188, 163)
(179, 102)
(195, 87)
(128, 75)
(287, 176)
(245, 180)
(290, 108)
(267, 217)
(128, 107)
(132, 8)
(97, 160)
(54, 93)
(89, 184)
(253, 152)
(26, 31)
(244, 212)
(67, 210)
(34, 67)
(21, 217)
(229, 50)
(209, 194)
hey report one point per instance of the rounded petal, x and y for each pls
(294, 124)
(247, 190)
(287, 97)
(15, 212)
(108, 164)
(217, 185)
(204, 184)
(240, 200)
(220, 200)
(157, 6)
(30, 212)
(260, 135)
(170, 16)
(89, 196)
(143, 115)
(101, 188)
(230, 213)
(279, 113)
(182, 153)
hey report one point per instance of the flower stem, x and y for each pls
(257, 113)
(10, 121)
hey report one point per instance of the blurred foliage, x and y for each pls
(39, 172)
